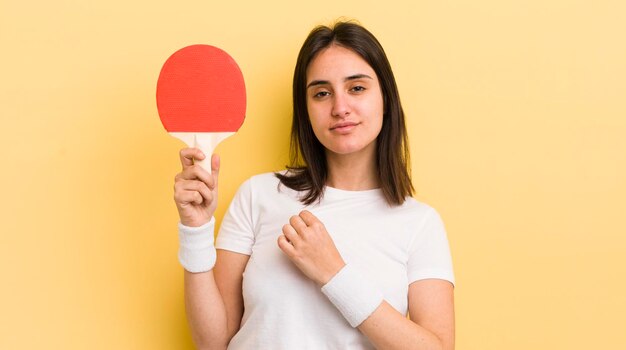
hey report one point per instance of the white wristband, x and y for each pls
(353, 294)
(197, 251)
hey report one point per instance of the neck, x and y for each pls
(352, 172)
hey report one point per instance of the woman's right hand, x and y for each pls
(195, 190)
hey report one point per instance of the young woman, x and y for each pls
(332, 253)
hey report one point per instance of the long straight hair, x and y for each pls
(307, 171)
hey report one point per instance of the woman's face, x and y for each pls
(344, 101)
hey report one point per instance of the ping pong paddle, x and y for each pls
(201, 97)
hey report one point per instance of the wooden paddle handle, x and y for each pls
(205, 141)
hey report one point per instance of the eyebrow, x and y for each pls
(326, 82)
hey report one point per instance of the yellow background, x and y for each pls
(517, 119)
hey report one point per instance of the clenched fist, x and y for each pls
(309, 246)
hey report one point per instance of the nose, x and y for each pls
(341, 106)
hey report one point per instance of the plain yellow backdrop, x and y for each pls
(517, 119)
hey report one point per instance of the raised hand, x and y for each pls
(195, 190)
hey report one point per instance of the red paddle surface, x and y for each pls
(201, 89)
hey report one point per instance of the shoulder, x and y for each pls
(264, 183)
(418, 209)
(423, 219)
(264, 179)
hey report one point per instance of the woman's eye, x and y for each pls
(321, 94)
(358, 88)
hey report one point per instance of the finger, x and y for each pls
(297, 223)
(308, 218)
(201, 188)
(290, 233)
(196, 172)
(215, 168)
(215, 164)
(285, 246)
(191, 194)
(188, 197)
(187, 156)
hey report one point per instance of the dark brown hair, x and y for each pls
(307, 170)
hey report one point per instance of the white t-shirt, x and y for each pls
(283, 309)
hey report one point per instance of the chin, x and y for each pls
(346, 149)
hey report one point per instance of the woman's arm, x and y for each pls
(431, 301)
(213, 295)
(214, 302)
(431, 307)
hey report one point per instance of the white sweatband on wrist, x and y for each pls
(196, 251)
(353, 294)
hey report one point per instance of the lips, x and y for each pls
(343, 126)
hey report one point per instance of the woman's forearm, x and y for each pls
(205, 310)
(386, 328)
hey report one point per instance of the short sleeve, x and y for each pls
(429, 252)
(237, 230)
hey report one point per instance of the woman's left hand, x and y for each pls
(308, 245)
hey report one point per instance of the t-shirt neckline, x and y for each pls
(332, 192)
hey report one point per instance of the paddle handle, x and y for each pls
(205, 141)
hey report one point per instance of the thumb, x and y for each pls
(215, 165)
